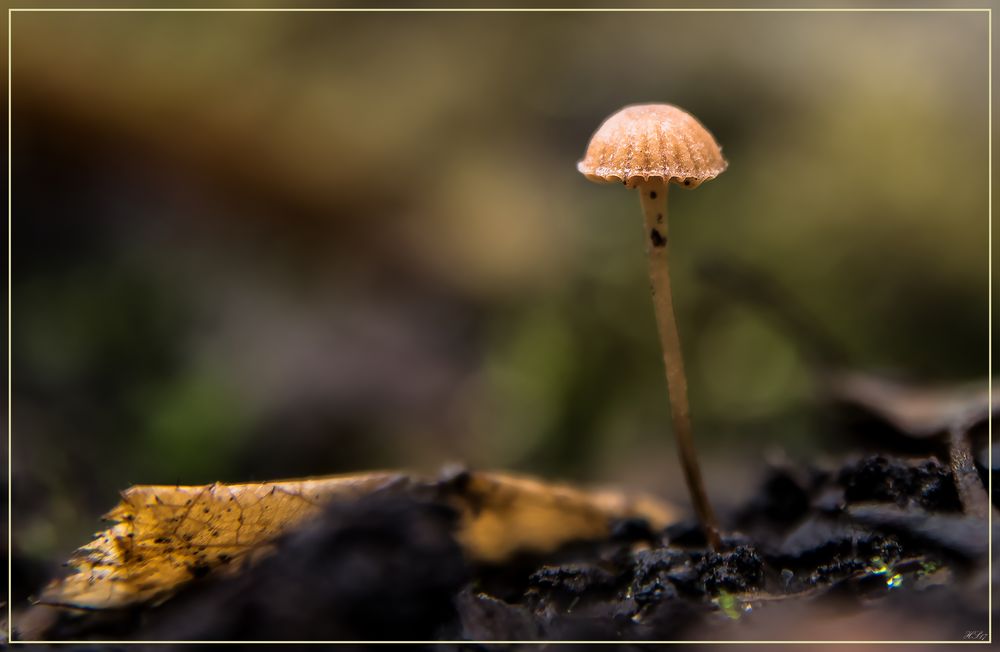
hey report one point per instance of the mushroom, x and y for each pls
(648, 146)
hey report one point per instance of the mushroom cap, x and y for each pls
(652, 141)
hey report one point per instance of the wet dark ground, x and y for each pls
(878, 548)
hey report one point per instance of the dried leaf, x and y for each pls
(915, 411)
(503, 514)
(163, 537)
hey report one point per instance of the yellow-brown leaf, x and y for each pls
(165, 536)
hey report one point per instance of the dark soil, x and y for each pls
(880, 535)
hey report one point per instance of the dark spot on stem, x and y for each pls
(657, 238)
(687, 182)
(652, 194)
(659, 218)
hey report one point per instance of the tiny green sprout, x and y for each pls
(729, 605)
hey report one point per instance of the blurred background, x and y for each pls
(251, 246)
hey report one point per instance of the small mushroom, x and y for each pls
(648, 146)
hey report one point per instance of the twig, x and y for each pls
(975, 501)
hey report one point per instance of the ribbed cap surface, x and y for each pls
(646, 141)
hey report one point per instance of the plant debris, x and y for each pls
(473, 555)
(163, 537)
(915, 411)
(399, 561)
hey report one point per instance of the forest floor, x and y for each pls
(883, 546)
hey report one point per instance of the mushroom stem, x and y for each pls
(653, 195)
